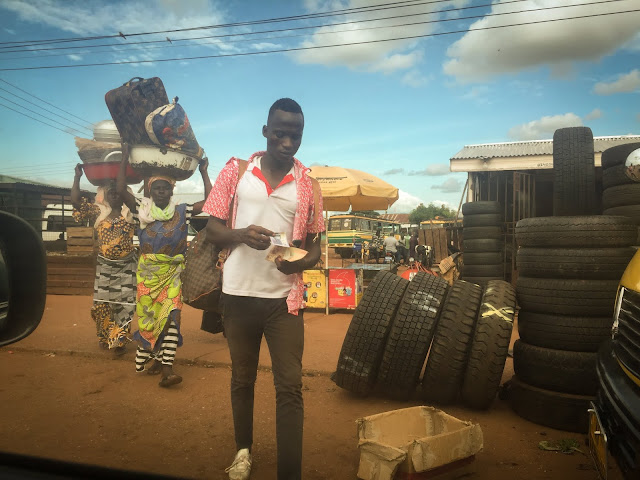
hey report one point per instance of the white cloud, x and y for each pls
(377, 55)
(450, 185)
(544, 127)
(9, 31)
(434, 170)
(485, 53)
(414, 78)
(593, 115)
(629, 82)
(394, 171)
(405, 203)
(75, 57)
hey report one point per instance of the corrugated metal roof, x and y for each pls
(534, 147)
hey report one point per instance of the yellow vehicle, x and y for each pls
(347, 231)
(614, 416)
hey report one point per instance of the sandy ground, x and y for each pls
(63, 398)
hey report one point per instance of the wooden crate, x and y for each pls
(80, 240)
(438, 239)
(70, 274)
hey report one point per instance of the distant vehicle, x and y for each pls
(345, 232)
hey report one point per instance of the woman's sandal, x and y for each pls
(172, 379)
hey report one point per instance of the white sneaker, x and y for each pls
(240, 469)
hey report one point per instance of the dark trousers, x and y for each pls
(246, 320)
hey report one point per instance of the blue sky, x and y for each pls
(397, 109)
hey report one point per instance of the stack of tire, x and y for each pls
(483, 242)
(569, 268)
(620, 195)
(464, 331)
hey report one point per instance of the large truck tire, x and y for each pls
(596, 231)
(483, 270)
(482, 220)
(483, 258)
(567, 296)
(614, 176)
(632, 212)
(472, 233)
(621, 196)
(482, 245)
(557, 370)
(490, 345)
(564, 332)
(475, 208)
(366, 336)
(481, 281)
(562, 411)
(411, 334)
(618, 155)
(574, 184)
(586, 263)
(447, 359)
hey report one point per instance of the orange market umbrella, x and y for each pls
(344, 187)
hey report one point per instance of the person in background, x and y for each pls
(391, 246)
(163, 242)
(403, 249)
(413, 243)
(374, 246)
(114, 290)
(262, 298)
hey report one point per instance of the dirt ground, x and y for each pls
(63, 398)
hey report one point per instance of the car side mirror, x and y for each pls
(23, 278)
(633, 165)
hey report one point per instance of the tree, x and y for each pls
(430, 212)
(366, 213)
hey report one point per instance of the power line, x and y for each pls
(43, 116)
(32, 118)
(310, 27)
(49, 111)
(44, 101)
(297, 49)
(365, 9)
(351, 22)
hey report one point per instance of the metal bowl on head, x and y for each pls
(151, 160)
(99, 174)
(633, 165)
(106, 131)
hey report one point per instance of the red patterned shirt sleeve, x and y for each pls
(317, 224)
(217, 204)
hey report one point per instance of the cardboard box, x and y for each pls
(415, 439)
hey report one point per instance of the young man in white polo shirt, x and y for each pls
(262, 297)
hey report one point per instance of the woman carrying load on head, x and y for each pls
(114, 291)
(163, 243)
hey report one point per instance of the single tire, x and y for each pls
(490, 345)
(614, 176)
(475, 208)
(567, 296)
(621, 196)
(367, 333)
(557, 370)
(586, 263)
(618, 155)
(574, 184)
(472, 233)
(482, 245)
(562, 411)
(590, 231)
(496, 270)
(449, 351)
(482, 220)
(481, 281)
(564, 332)
(346, 253)
(482, 258)
(411, 334)
(630, 211)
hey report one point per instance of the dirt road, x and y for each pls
(63, 398)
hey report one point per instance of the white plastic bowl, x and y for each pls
(151, 160)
